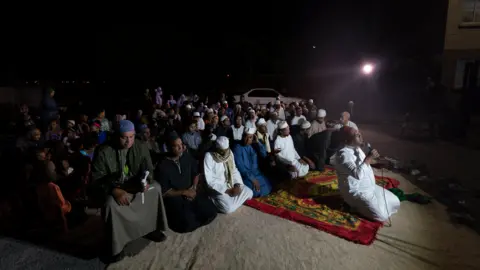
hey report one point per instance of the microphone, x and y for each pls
(369, 146)
(370, 149)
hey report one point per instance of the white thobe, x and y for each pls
(349, 124)
(358, 188)
(289, 156)
(281, 113)
(238, 133)
(200, 124)
(316, 128)
(272, 128)
(250, 124)
(216, 179)
(296, 120)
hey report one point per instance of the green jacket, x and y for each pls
(106, 169)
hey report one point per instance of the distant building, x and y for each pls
(461, 56)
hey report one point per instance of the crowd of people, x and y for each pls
(176, 163)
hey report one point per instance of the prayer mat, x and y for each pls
(315, 201)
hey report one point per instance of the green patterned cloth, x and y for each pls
(414, 197)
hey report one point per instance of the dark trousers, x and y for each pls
(186, 216)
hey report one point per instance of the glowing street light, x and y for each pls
(367, 69)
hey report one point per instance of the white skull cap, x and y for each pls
(222, 142)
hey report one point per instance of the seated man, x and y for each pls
(262, 134)
(318, 125)
(246, 160)
(192, 138)
(223, 177)
(287, 153)
(318, 149)
(131, 210)
(187, 209)
(356, 180)
(345, 121)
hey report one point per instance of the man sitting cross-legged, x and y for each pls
(187, 208)
(223, 177)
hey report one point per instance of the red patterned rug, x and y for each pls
(315, 201)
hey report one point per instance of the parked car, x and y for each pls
(263, 96)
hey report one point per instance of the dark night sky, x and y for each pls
(206, 45)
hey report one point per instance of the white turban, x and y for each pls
(210, 111)
(261, 122)
(196, 114)
(282, 125)
(222, 142)
(306, 125)
(250, 131)
(277, 102)
(223, 118)
(321, 113)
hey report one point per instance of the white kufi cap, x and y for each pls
(196, 114)
(306, 125)
(223, 118)
(321, 113)
(222, 142)
(282, 125)
(261, 122)
(250, 131)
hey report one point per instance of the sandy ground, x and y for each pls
(421, 236)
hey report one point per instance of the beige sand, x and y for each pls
(422, 237)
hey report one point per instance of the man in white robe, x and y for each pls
(272, 125)
(221, 175)
(237, 128)
(318, 125)
(345, 121)
(299, 117)
(279, 110)
(200, 122)
(287, 154)
(356, 180)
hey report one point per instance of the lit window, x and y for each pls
(471, 11)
